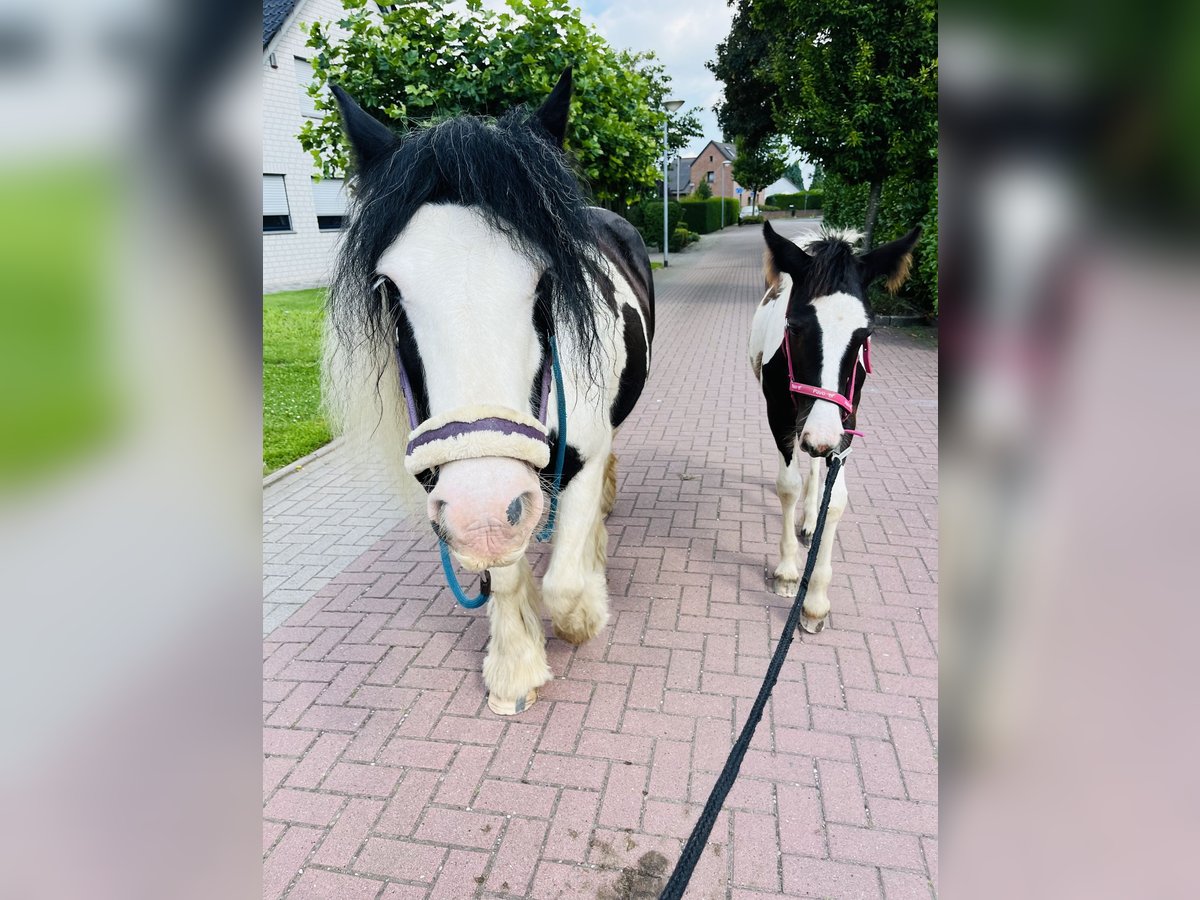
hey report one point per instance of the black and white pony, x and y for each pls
(470, 251)
(810, 350)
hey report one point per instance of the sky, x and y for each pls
(683, 34)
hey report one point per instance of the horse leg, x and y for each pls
(515, 665)
(788, 485)
(574, 589)
(812, 500)
(816, 603)
(609, 496)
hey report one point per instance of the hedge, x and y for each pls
(903, 203)
(649, 220)
(704, 216)
(814, 199)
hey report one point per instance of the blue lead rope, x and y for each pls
(561, 456)
(485, 580)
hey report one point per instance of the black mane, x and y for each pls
(510, 172)
(834, 269)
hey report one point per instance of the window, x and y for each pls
(710, 159)
(329, 198)
(276, 215)
(304, 77)
(709, 177)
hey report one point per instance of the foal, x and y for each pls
(810, 350)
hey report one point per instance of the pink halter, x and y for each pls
(811, 390)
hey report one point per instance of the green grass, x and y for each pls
(293, 424)
(655, 264)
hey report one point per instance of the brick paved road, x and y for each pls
(385, 776)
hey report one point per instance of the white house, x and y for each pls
(782, 186)
(302, 217)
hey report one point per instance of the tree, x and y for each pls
(795, 174)
(742, 63)
(818, 179)
(419, 62)
(852, 83)
(703, 191)
(758, 165)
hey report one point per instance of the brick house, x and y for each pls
(708, 164)
(302, 217)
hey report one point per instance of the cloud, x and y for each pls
(683, 34)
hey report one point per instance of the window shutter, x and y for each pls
(329, 196)
(304, 77)
(274, 196)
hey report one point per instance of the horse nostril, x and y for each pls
(516, 509)
(436, 508)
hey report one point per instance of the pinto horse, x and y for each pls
(810, 350)
(470, 255)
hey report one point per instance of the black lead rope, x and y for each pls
(699, 837)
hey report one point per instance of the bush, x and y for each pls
(679, 239)
(751, 220)
(903, 203)
(703, 191)
(636, 216)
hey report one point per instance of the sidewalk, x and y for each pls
(385, 776)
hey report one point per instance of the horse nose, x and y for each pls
(813, 446)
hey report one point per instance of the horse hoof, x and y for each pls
(511, 707)
(573, 637)
(813, 626)
(806, 538)
(786, 587)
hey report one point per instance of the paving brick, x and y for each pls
(877, 848)
(316, 884)
(804, 877)
(841, 794)
(755, 851)
(462, 875)
(462, 779)
(460, 828)
(307, 807)
(571, 825)
(621, 805)
(284, 862)
(400, 859)
(515, 861)
(318, 761)
(905, 885)
(359, 778)
(405, 808)
(348, 833)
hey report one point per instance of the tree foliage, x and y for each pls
(851, 83)
(758, 165)
(855, 83)
(420, 62)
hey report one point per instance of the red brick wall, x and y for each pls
(702, 166)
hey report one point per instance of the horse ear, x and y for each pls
(554, 110)
(369, 137)
(783, 255)
(892, 260)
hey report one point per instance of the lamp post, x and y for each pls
(725, 165)
(671, 106)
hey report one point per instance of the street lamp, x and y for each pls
(725, 165)
(671, 106)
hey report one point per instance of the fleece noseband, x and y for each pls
(476, 430)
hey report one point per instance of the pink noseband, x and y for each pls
(811, 390)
